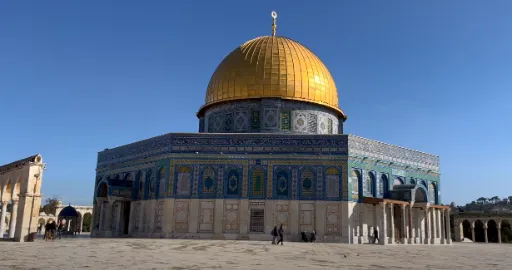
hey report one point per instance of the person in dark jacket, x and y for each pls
(313, 237)
(375, 235)
(281, 233)
(274, 235)
(49, 230)
(304, 236)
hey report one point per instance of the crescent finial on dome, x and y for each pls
(274, 25)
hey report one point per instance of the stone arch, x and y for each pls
(41, 221)
(17, 189)
(356, 179)
(257, 182)
(466, 229)
(492, 231)
(7, 192)
(506, 231)
(102, 189)
(87, 222)
(420, 195)
(307, 182)
(479, 231)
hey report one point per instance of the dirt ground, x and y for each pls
(206, 254)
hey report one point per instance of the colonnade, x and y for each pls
(107, 215)
(472, 220)
(12, 220)
(400, 222)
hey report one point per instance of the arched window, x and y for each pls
(355, 184)
(385, 184)
(412, 181)
(161, 182)
(258, 183)
(368, 184)
(140, 187)
(232, 184)
(380, 187)
(397, 181)
(424, 184)
(432, 193)
(151, 185)
(282, 182)
(332, 183)
(183, 183)
(307, 183)
(208, 183)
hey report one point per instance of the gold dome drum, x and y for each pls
(272, 67)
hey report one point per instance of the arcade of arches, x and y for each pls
(483, 228)
(20, 187)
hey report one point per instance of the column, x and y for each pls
(81, 225)
(14, 216)
(411, 225)
(2, 219)
(383, 234)
(392, 213)
(433, 223)
(485, 233)
(473, 231)
(404, 225)
(442, 228)
(68, 224)
(499, 232)
(448, 229)
(427, 225)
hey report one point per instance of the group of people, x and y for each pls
(277, 233)
(50, 229)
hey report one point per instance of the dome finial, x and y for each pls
(274, 25)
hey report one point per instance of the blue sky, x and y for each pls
(77, 77)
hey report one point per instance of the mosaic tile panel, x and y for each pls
(312, 123)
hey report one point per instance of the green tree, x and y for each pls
(494, 199)
(50, 205)
(481, 200)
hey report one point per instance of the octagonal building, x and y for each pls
(270, 151)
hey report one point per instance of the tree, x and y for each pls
(50, 205)
(509, 199)
(481, 200)
(494, 199)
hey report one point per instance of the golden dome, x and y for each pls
(272, 67)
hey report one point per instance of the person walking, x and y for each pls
(375, 235)
(59, 229)
(274, 235)
(280, 233)
(49, 230)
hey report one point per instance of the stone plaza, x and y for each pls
(97, 253)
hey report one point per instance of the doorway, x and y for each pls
(126, 216)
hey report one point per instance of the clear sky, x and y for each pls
(77, 77)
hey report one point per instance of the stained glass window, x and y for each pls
(307, 183)
(208, 181)
(161, 180)
(257, 182)
(332, 182)
(232, 182)
(355, 184)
